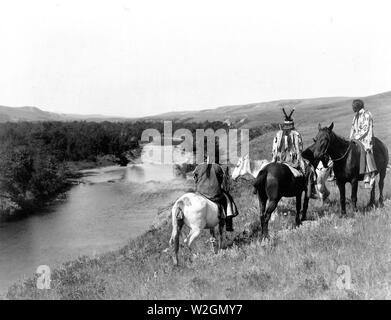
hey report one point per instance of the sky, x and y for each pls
(138, 58)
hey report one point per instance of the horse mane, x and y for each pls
(339, 138)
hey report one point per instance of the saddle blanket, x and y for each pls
(296, 173)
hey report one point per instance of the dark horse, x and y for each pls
(346, 157)
(273, 182)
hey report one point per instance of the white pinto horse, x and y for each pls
(253, 167)
(198, 213)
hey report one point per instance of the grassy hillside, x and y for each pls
(296, 263)
(308, 113)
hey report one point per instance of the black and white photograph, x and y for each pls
(195, 152)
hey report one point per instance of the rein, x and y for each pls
(344, 155)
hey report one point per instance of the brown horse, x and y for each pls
(346, 158)
(272, 182)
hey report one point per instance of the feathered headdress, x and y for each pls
(288, 122)
(288, 118)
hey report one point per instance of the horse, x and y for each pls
(345, 155)
(198, 213)
(252, 167)
(273, 180)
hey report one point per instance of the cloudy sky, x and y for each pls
(135, 58)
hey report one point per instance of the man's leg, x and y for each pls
(370, 176)
(230, 202)
(229, 212)
(222, 203)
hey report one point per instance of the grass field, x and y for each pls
(296, 263)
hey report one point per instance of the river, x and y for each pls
(109, 206)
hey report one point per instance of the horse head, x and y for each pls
(308, 154)
(242, 167)
(322, 142)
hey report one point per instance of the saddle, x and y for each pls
(296, 173)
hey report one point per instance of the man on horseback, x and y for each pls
(362, 130)
(288, 146)
(209, 178)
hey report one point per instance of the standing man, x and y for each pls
(362, 130)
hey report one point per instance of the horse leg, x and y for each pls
(262, 204)
(221, 234)
(342, 199)
(213, 240)
(373, 194)
(353, 197)
(266, 217)
(298, 209)
(305, 207)
(382, 175)
(176, 231)
(194, 233)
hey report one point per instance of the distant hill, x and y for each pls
(15, 114)
(308, 113)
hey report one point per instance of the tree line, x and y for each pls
(35, 156)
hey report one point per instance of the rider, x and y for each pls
(288, 146)
(209, 178)
(362, 130)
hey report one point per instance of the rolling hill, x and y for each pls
(308, 113)
(15, 114)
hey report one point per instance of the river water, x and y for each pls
(110, 206)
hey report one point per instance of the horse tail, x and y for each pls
(177, 221)
(260, 181)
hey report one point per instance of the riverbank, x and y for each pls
(10, 211)
(74, 173)
(297, 263)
